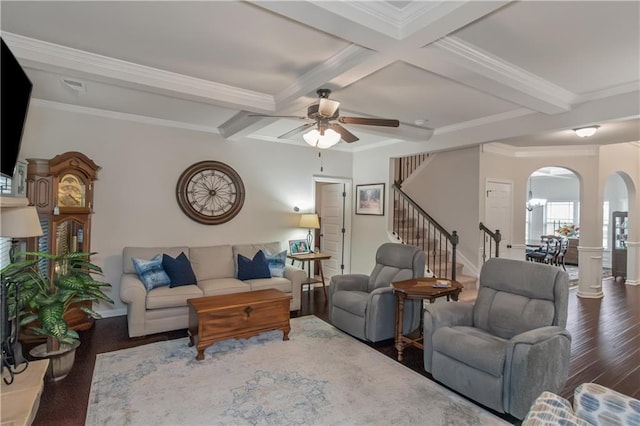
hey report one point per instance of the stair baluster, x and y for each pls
(412, 225)
(493, 239)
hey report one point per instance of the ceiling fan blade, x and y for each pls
(346, 135)
(297, 130)
(370, 121)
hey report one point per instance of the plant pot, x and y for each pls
(60, 361)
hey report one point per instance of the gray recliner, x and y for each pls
(365, 306)
(508, 347)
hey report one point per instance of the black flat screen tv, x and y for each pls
(16, 94)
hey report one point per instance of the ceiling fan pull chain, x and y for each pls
(321, 162)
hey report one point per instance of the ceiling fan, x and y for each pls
(324, 130)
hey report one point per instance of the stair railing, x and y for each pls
(404, 166)
(412, 225)
(492, 239)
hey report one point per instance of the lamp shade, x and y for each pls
(20, 222)
(327, 107)
(310, 221)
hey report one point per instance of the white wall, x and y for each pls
(448, 189)
(369, 232)
(135, 201)
(555, 188)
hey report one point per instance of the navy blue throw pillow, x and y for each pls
(179, 270)
(252, 269)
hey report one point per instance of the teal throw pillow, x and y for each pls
(179, 270)
(276, 262)
(250, 269)
(151, 272)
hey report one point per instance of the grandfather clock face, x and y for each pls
(71, 191)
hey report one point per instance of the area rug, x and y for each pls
(321, 376)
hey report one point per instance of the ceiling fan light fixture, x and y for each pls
(327, 107)
(311, 137)
(585, 132)
(324, 141)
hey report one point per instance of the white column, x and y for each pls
(590, 275)
(633, 263)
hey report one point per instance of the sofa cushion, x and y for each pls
(223, 286)
(550, 409)
(281, 284)
(179, 270)
(212, 262)
(166, 297)
(601, 405)
(507, 314)
(249, 269)
(147, 253)
(151, 272)
(276, 262)
(472, 346)
(354, 302)
(250, 250)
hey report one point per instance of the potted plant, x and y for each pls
(43, 302)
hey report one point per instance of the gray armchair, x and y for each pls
(364, 305)
(508, 347)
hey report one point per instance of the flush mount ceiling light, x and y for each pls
(585, 132)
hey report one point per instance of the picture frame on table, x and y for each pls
(299, 247)
(370, 199)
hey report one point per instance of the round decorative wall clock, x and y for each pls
(210, 192)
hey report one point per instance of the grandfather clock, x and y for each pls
(61, 189)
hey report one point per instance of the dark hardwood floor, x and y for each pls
(605, 349)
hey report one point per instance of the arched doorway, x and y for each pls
(553, 209)
(615, 227)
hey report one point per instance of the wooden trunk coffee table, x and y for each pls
(238, 315)
(423, 289)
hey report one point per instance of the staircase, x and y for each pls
(412, 225)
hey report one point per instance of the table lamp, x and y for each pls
(309, 221)
(15, 222)
(19, 222)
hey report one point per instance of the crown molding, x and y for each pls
(383, 17)
(610, 91)
(496, 118)
(341, 62)
(541, 151)
(43, 103)
(480, 62)
(43, 55)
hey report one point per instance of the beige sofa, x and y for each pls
(215, 267)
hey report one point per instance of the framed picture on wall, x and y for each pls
(370, 199)
(299, 247)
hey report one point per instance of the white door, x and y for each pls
(498, 212)
(332, 237)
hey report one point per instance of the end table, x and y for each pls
(423, 289)
(308, 258)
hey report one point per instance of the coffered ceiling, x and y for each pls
(454, 73)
